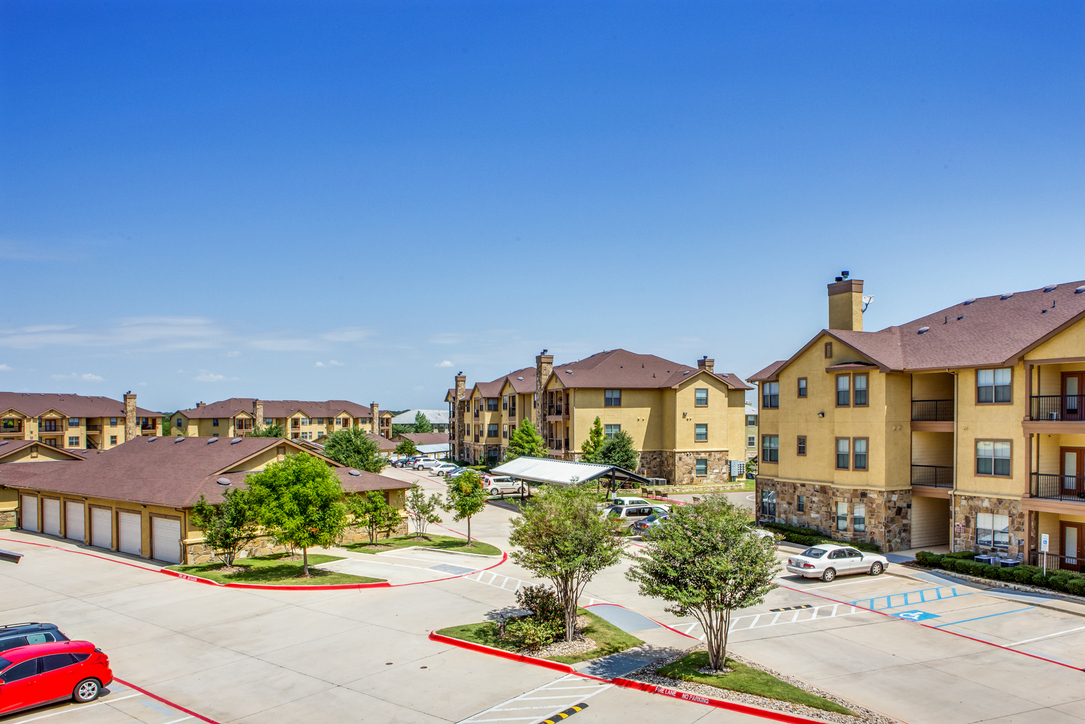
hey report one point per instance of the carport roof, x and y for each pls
(562, 472)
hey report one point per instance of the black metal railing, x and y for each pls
(10, 428)
(932, 476)
(1059, 487)
(932, 410)
(94, 428)
(51, 426)
(1058, 407)
(1055, 562)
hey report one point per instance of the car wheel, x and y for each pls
(828, 575)
(876, 569)
(86, 690)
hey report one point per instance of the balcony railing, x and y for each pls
(1058, 407)
(932, 410)
(10, 429)
(51, 426)
(932, 476)
(555, 444)
(1056, 562)
(94, 428)
(1059, 487)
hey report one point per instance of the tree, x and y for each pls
(751, 467)
(355, 448)
(422, 510)
(619, 452)
(275, 430)
(372, 511)
(228, 526)
(706, 562)
(465, 497)
(299, 500)
(422, 423)
(400, 429)
(406, 448)
(563, 539)
(590, 447)
(526, 442)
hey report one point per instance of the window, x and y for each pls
(113, 422)
(491, 404)
(992, 530)
(58, 661)
(859, 452)
(751, 420)
(843, 391)
(700, 397)
(992, 458)
(612, 430)
(216, 435)
(828, 350)
(702, 467)
(860, 385)
(21, 671)
(800, 447)
(751, 441)
(858, 517)
(802, 387)
(178, 423)
(467, 429)
(112, 439)
(612, 398)
(770, 448)
(214, 422)
(993, 386)
(269, 421)
(843, 453)
(768, 503)
(770, 394)
(73, 441)
(505, 431)
(244, 423)
(491, 430)
(841, 515)
(73, 422)
(700, 432)
(800, 504)
(320, 421)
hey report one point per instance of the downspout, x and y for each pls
(956, 458)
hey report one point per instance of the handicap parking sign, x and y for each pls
(916, 615)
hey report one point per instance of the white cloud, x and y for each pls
(445, 363)
(206, 376)
(87, 377)
(319, 364)
(5, 368)
(349, 334)
(142, 384)
(446, 338)
(136, 333)
(333, 363)
(235, 353)
(283, 344)
(418, 387)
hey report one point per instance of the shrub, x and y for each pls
(1024, 574)
(1076, 586)
(544, 604)
(811, 537)
(962, 555)
(531, 633)
(926, 558)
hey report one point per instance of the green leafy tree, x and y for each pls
(354, 448)
(465, 498)
(705, 563)
(275, 430)
(751, 467)
(526, 442)
(562, 538)
(619, 451)
(400, 429)
(228, 526)
(372, 511)
(590, 447)
(422, 423)
(422, 510)
(299, 500)
(406, 448)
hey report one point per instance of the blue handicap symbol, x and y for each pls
(915, 615)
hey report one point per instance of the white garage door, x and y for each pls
(166, 540)
(74, 526)
(30, 512)
(101, 528)
(51, 516)
(131, 533)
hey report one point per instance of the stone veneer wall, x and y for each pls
(888, 512)
(8, 518)
(264, 546)
(965, 508)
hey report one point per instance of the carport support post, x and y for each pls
(613, 482)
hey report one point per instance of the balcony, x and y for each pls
(1058, 408)
(94, 428)
(11, 427)
(932, 410)
(54, 427)
(932, 476)
(1069, 488)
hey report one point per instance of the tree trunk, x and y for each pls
(305, 562)
(468, 530)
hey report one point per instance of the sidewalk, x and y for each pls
(660, 642)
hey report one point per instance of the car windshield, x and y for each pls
(813, 553)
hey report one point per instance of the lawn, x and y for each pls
(441, 542)
(273, 571)
(746, 679)
(610, 638)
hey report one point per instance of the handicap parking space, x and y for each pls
(118, 704)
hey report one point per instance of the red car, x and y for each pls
(41, 674)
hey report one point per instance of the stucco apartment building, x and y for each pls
(964, 427)
(301, 420)
(685, 421)
(75, 422)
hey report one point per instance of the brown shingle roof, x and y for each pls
(621, 369)
(7, 447)
(276, 408)
(493, 388)
(33, 404)
(768, 373)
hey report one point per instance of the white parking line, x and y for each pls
(499, 580)
(72, 709)
(1038, 638)
(583, 689)
(804, 615)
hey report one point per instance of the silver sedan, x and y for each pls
(827, 561)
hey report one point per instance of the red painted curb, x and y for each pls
(167, 702)
(717, 703)
(82, 553)
(483, 649)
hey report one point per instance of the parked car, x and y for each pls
(441, 468)
(827, 561)
(624, 500)
(455, 472)
(626, 515)
(425, 463)
(407, 461)
(14, 635)
(501, 485)
(40, 674)
(764, 534)
(646, 525)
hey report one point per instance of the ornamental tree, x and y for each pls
(619, 451)
(422, 423)
(590, 447)
(562, 538)
(275, 430)
(422, 510)
(228, 526)
(705, 562)
(526, 442)
(465, 498)
(372, 511)
(406, 448)
(354, 448)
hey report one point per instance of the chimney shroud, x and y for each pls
(706, 363)
(131, 422)
(846, 305)
(544, 365)
(375, 418)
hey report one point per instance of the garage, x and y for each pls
(930, 522)
(166, 539)
(130, 529)
(50, 519)
(74, 526)
(101, 528)
(29, 508)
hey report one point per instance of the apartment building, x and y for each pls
(751, 431)
(301, 420)
(482, 419)
(964, 427)
(75, 422)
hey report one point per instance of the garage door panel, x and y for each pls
(101, 528)
(166, 539)
(50, 508)
(29, 508)
(130, 528)
(74, 522)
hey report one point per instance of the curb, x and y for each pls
(717, 703)
(82, 553)
(991, 584)
(501, 653)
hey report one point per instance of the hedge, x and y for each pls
(1056, 580)
(811, 537)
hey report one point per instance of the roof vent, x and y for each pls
(969, 301)
(1080, 290)
(1006, 296)
(568, 372)
(685, 373)
(960, 318)
(236, 440)
(223, 481)
(923, 330)
(354, 473)
(214, 439)
(151, 439)
(2, 444)
(180, 439)
(1051, 287)
(520, 378)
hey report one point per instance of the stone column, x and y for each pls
(375, 420)
(258, 413)
(544, 365)
(131, 422)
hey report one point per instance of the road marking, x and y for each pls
(1060, 633)
(82, 707)
(909, 598)
(816, 613)
(184, 718)
(794, 608)
(555, 718)
(505, 582)
(557, 704)
(833, 585)
(990, 615)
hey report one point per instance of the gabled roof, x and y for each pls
(35, 404)
(276, 408)
(621, 369)
(9, 447)
(522, 380)
(436, 417)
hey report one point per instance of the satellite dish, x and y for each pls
(867, 299)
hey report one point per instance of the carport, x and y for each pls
(567, 472)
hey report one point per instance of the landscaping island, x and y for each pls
(280, 569)
(438, 542)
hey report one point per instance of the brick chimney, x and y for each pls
(544, 365)
(706, 364)
(846, 304)
(131, 422)
(375, 420)
(460, 406)
(258, 412)
(199, 405)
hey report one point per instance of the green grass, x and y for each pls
(610, 638)
(442, 542)
(750, 486)
(746, 679)
(272, 571)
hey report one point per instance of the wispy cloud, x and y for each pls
(446, 338)
(349, 334)
(331, 363)
(235, 353)
(5, 368)
(136, 333)
(206, 376)
(86, 377)
(445, 363)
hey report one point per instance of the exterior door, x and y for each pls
(1072, 536)
(101, 528)
(1073, 395)
(74, 527)
(50, 508)
(29, 508)
(1072, 463)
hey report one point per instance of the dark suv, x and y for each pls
(21, 634)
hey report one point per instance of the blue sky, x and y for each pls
(356, 199)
